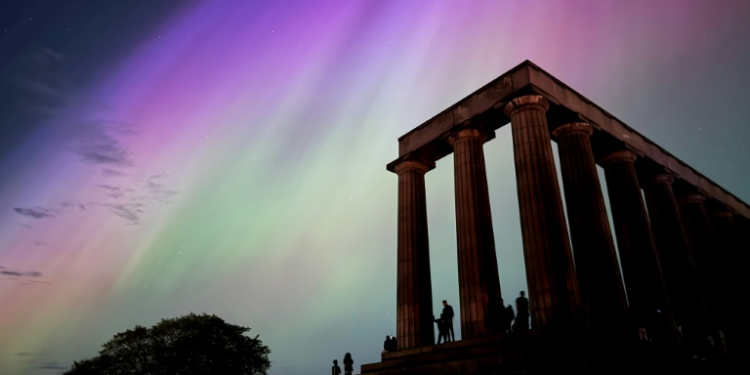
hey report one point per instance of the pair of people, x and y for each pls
(390, 344)
(445, 324)
(519, 318)
(508, 315)
(348, 366)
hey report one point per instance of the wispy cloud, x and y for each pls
(109, 187)
(34, 212)
(41, 212)
(129, 212)
(157, 190)
(52, 365)
(45, 56)
(98, 143)
(43, 88)
(111, 172)
(15, 273)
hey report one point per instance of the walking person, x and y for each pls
(447, 317)
(348, 364)
(442, 331)
(335, 370)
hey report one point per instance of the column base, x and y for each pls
(558, 351)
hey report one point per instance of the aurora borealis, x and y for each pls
(228, 157)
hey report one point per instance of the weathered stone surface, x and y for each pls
(673, 250)
(553, 288)
(528, 76)
(478, 281)
(640, 265)
(553, 285)
(701, 238)
(414, 325)
(731, 252)
(597, 268)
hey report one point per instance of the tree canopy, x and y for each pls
(187, 345)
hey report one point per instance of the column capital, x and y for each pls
(691, 198)
(618, 156)
(571, 129)
(662, 178)
(467, 133)
(723, 213)
(524, 101)
(410, 165)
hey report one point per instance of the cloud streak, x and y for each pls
(14, 273)
(98, 143)
(111, 172)
(34, 212)
(52, 365)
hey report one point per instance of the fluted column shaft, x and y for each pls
(553, 288)
(414, 324)
(701, 238)
(673, 250)
(649, 306)
(597, 268)
(730, 273)
(479, 284)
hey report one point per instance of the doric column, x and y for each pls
(596, 264)
(647, 296)
(479, 284)
(701, 238)
(553, 288)
(673, 250)
(414, 324)
(730, 275)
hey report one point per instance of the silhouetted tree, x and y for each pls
(190, 344)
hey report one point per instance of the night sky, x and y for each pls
(228, 157)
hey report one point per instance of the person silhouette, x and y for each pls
(504, 318)
(447, 317)
(335, 370)
(521, 324)
(348, 364)
(392, 344)
(509, 316)
(442, 330)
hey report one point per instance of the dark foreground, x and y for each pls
(549, 352)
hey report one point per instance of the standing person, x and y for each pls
(504, 318)
(522, 314)
(335, 370)
(348, 364)
(510, 315)
(447, 317)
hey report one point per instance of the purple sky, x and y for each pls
(228, 157)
